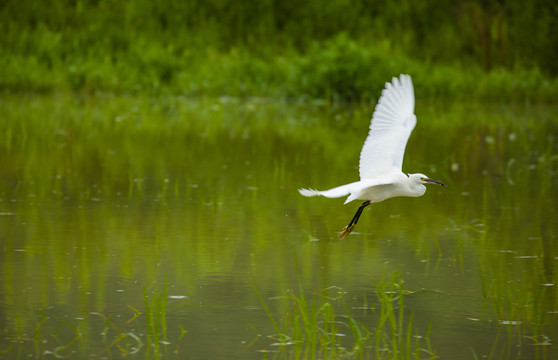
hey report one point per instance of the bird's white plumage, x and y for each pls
(366, 189)
(381, 156)
(392, 123)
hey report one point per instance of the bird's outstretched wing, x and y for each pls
(392, 123)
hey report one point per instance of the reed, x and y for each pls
(156, 323)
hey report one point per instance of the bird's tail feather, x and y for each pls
(336, 192)
(309, 192)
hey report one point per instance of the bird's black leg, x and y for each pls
(347, 229)
(359, 212)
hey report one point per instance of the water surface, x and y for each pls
(111, 204)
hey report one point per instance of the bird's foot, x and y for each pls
(346, 231)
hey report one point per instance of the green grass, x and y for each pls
(276, 49)
(144, 333)
(519, 301)
(339, 69)
(155, 314)
(116, 150)
(323, 326)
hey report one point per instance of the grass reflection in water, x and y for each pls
(103, 197)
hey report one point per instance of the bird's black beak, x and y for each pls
(430, 181)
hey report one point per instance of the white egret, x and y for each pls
(381, 156)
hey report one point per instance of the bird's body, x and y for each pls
(381, 157)
(373, 189)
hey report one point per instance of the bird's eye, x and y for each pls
(422, 179)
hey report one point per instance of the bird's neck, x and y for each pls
(417, 189)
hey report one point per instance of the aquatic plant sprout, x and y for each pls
(381, 157)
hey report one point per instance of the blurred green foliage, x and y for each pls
(342, 50)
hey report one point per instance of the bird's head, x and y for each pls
(423, 179)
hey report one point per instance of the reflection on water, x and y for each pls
(111, 199)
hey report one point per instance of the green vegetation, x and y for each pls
(116, 150)
(311, 328)
(61, 338)
(339, 50)
(142, 141)
(99, 194)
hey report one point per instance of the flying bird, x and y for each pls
(381, 157)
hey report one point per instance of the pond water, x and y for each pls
(172, 228)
